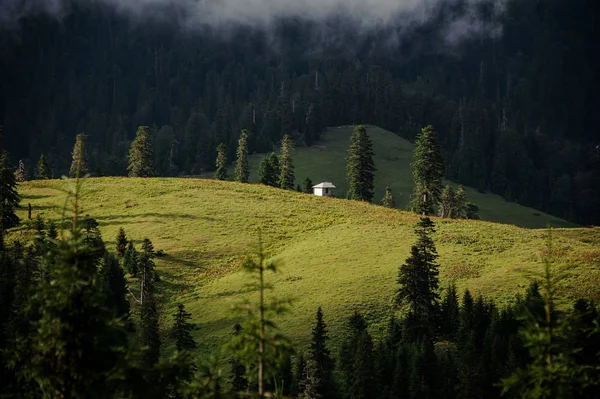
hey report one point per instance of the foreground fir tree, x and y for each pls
(360, 169)
(357, 361)
(242, 166)
(447, 206)
(73, 348)
(42, 171)
(115, 286)
(259, 345)
(388, 199)
(418, 280)
(181, 332)
(287, 177)
(20, 175)
(9, 198)
(121, 243)
(269, 171)
(149, 329)
(141, 154)
(221, 163)
(322, 373)
(428, 172)
(79, 167)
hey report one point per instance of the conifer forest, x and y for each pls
(159, 232)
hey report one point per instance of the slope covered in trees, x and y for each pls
(516, 113)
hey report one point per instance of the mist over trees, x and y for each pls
(514, 112)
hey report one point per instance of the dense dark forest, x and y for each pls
(516, 112)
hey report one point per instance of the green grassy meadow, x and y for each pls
(342, 255)
(393, 155)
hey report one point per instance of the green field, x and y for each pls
(393, 155)
(342, 255)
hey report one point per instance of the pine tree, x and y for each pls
(269, 171)
(181, 331)
(308, 184)
(141, 154)
(448, 205)
(286, 177)
(418, 279)
(221, 164)
(428, 172)
(460, 210)
(242, 167)
(357, 361)
(388, 199)
(450, 313)
(9, 198)
(149, 329)
(42, 172)
(115, 286)
(146, 270)
(131, 259)
(360, 168)
(299, 188)
(79, 167)
(74, 344)
(323, 363)
(52, 232)
(20, 175)
(121, 243)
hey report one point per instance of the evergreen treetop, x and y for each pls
(287, 177)
(360, 168)
(221, 163)
(79, 167)
(141, 154)
(428, 171)
(270, 170)
(388, 199)
(121, 242)
(181, 331)
(20, 175)
(242, 166)
(42, 171)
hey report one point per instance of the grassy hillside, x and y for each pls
(393, 155)
(340, 254)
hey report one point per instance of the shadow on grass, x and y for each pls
(26, 197)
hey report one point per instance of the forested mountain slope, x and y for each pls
(516, 111)
(343, 255)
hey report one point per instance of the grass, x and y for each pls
(393, 155)
(342, 255)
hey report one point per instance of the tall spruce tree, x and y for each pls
(321, 356)
(269, 170)
(79, 167)
(447, 206)
(360, 169)
(131, 259)
(286, 177)
(242, 166)
(418, 280)
(181, 332)
(460, 210)
(9, 198)
(149, 329)
(115, 286)
(121, 243)
(221, 163)
(43, 171)
(357, 361)
(141, 154)
(20, 175)
(428, 172)
(388, 199)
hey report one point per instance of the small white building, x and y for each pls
(324, 189)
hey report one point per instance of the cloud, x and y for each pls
(224, 14)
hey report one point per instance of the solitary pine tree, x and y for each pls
(320, 354)
(428, 172)
(242, 167)
(131, 259)
(20, 175)
(42, 172)
(79, 166)
(447, 206)
(221, 173)
(460, 204)
(308, 186)
(360, 168)
(181, 331)
(286, 178)
(9, 198)
(388, 199)
(269, 171)
(418, 279)
(121, 243)
(141, 154)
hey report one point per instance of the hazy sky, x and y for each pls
(224, 13)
